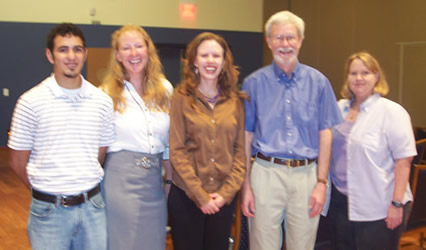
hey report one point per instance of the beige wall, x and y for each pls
(335, 29)
(237, 15)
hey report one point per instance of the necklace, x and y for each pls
(211, 99)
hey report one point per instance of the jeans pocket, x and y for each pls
(97, 201)
(41, 209)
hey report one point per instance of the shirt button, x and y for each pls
(289, 134)
(211, 180)
(150, 134)
(211, 159)
(289, 118)
(291, 152)
(288, 101)
(213, 121)
(152, 146)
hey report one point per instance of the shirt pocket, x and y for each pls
(373, 140)
(306, 111)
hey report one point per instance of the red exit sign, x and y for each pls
(188, 11)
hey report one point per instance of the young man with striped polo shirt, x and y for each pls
(59, 134)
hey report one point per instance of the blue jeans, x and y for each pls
(52, 226)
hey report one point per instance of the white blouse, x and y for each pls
(381, 134)
(139, 129)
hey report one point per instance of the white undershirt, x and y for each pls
(71, 93)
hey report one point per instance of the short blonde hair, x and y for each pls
(373, 65)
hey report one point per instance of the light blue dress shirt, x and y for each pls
(286, 113)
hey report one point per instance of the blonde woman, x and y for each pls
(133, 187)
(370, 162)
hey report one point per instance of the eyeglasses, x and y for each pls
(280, 38)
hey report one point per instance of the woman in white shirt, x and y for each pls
(370, 163)
(134, 195)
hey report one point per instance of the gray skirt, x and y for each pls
(135, 201)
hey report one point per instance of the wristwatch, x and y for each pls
(323, 181)
(397, 204)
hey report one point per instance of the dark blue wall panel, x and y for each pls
(23, 63)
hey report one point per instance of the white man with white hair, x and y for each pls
(289, 116)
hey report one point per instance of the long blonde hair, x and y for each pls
(154, 93)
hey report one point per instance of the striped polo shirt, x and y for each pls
(64, 134)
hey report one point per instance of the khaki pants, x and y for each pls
(282, 194)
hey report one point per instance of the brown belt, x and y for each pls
(66, 200)
(286, 162)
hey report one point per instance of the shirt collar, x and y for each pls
(129, 85)
(283, 77)
(53, 85)
(131, 90)
(366, 104)
(370, 101)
